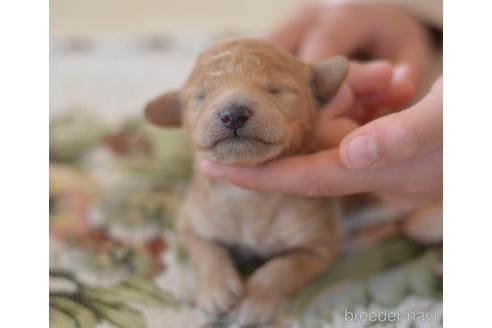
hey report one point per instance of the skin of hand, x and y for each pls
(369, 86)
(398, 157)
(375, 31)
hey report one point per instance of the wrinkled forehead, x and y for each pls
(245, 62)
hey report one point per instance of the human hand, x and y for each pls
(368, 87)
(398, 157)
(372, 30)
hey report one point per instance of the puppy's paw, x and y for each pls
(219, 293)
(255, 310)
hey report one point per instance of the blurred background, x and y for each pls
(112, 56)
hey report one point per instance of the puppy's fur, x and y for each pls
(298, 237)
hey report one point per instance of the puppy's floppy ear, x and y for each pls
(328, 76)
(165, 110)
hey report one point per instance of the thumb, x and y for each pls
(397, 137)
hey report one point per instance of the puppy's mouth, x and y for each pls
(236, 138)
(235, 148)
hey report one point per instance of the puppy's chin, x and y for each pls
(242, 151)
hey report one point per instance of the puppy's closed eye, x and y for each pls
(199, 96)
(276, 89)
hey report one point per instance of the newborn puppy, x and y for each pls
(247, 102)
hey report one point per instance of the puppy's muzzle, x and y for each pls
(235, 116)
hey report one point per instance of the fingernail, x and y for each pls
(401, 72)
(361, 151)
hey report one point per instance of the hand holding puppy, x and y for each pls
(398, 157)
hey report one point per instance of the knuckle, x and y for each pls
(314, 187)
(410, 142)
(397, 140)
(312, 190)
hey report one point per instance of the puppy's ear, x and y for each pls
(328, 76)
(165, 110)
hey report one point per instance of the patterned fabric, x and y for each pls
(114, 261)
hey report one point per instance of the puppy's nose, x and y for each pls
(234, 117)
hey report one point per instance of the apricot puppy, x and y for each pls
(247, 102)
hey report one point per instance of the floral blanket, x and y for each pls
(114, 261)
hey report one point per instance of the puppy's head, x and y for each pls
(247, 102)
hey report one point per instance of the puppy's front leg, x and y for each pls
(220, 285)
(274, 282)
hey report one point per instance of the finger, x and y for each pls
(398, 92)
(415, 52)
(330, 133)
(367, 79)
(290, 33)
(331, 124)
(396, 137)
(315, 175)
(412, 183)
(338, 105)
(329, 38)
(371, 86)
(338, 33)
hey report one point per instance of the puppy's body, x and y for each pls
(247, 102)
(268, 223)
(299, 237)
